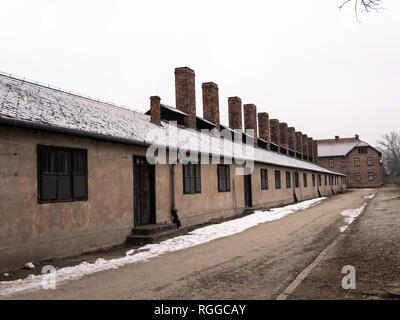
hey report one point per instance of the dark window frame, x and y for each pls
(331, 163)
(357, 174)
(67, 166)
(296, 180)
(344, 163)
(370, 161)
(224, 178)
(305, 180)
(264, 178)
(288, 180)
(191, 178)
(278, 183)
(356, 162)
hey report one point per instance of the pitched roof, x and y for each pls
(27, 104)
(331, 148)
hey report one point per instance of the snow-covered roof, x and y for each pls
(28, 104)
(340, 148)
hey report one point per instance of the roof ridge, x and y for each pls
(79, 95)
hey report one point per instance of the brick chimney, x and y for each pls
(304, 141)
(275, 131)
(283, 127)
(310, 145)
(155, 109)
(291, 138)
(211, 103)
(185, 94)
(250, 119)
(299, 142)
(263, 126)
(315, 151)
(357, 137)
(235, 113)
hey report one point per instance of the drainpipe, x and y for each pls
(173, 197)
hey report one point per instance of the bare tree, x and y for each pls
(362, 5)
(390, 143)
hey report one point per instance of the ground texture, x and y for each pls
(261, 262)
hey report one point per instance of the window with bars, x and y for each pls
(224, 180)
(369, 161)
(191, 178)
(264, 179)
(277, 179)
(62, 174)
(357, 162)
(305, 180)
(331, 163)
(358, 176)
(344, 163)
(288, 180)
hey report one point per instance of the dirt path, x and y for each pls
(372, 246)
(258, 263)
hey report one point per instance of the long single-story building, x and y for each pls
(77, 174)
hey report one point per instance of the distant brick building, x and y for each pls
(356, 158)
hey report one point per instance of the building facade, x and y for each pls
(78, 174)
(353, 157)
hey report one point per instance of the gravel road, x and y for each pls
(258, 263)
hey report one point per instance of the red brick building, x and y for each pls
(359, 160)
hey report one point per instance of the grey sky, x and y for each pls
(303, 62)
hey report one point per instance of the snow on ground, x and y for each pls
(370, 196)
(350, 215)
(193, 238)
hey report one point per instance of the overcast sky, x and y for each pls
(304, 62)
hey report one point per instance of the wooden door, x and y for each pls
(247, 191)
(144, 192)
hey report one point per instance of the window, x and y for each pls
(358, 176)
(62, 174)
(224, 180)
(319, 180)
(313, 180)
(264, 179)
(362, 150)
(370, 176)
(370, 162)
(296, 179)
(305, 180)
(344, 163)
(191, 178)
(288, 180)
(357, 162)
(331, 163)
(277, 179)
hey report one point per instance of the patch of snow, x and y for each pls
(370, 196)
(29, 265)
(350, 215)
(193, 238)
(129, 252)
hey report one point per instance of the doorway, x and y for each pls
(247, 191)
(144, 192)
